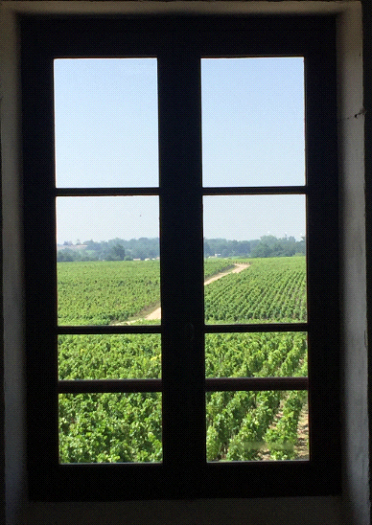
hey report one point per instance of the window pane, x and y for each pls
(256, 354)
(261, 242)
(106, 122)
(109, 356)
(253, 121)
(110, 428)
(108, 252)
(256, 426)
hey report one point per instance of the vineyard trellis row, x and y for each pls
(127, 427)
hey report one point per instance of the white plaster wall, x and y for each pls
(283, 511)
(353, 267)
(12, 264)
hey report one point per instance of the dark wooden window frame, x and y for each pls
(178, 44)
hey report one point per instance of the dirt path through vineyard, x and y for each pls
(156, 314)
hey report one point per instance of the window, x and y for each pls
(185, 53)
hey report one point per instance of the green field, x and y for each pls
(101, 292)
(127, 427)
(270, 290)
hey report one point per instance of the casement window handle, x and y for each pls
(189, 333)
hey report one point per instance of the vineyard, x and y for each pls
(272, 290)
(99, 293)
(127, 427)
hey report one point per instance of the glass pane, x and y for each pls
(109, 356)
(106, 122)
(271, 354)
(253, 121)
(258, 240)
(110, 428)
(256, 426)
(108, 260)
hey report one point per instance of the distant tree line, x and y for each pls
(113, 250)
(145, 248)
(266, 246)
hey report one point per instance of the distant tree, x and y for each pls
(93, 246)
(207, 249)
(117, 253)
(244, 248)
(269, 240)
(65, 255)
(262, 250)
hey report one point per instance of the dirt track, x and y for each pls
(156, 314)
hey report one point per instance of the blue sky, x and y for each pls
(106, 135)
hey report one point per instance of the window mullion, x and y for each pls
(181, 246)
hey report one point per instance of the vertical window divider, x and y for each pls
(181, 246)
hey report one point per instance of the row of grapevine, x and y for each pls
(238, 421)
(108, 428)
(98, 428)
(92, 356)
(100, 293)
(267, 291)
(251, 354)
(127, 427)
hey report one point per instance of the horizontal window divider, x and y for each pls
(110, 466)
(256, 190)
(219, 384)
(105, 192)
(118, 329)
(93, 386)
(257, 384)
(253, 328)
